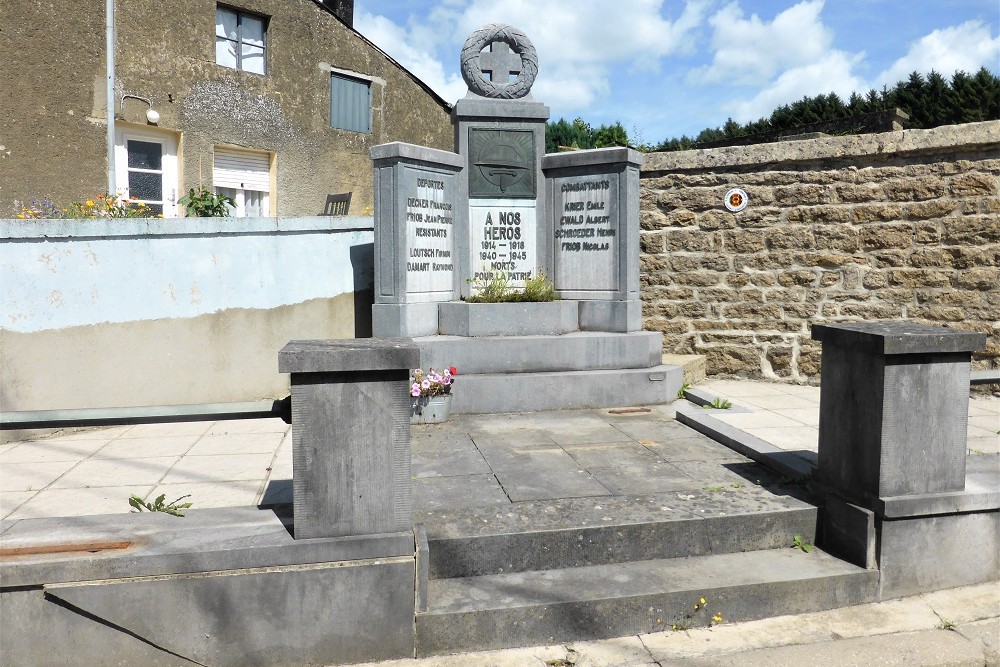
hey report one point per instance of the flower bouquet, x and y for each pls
(430, 395)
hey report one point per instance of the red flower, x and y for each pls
(453, 370)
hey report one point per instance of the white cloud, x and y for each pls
(750, 51)
(832, 73)
(409, 47)
(578, 42)
(963, 47)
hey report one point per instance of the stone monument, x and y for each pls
(448, 223)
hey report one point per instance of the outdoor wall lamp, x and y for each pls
(152, 115)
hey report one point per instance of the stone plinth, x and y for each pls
(350, 435)
(892, 457)
(893, 408)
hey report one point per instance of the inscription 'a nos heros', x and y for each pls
(507, 228)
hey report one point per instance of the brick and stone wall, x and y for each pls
(899, 225)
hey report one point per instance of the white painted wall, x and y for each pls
(104, 313)
(61, 273)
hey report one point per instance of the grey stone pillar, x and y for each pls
(503, 141)
(420, 230)
(892, 456)
(350, 435)
(594, 226)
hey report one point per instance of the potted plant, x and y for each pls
(430, 395)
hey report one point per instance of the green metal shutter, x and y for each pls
(350, 104)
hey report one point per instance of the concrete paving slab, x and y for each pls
(761, 419)
(787, 437)
(545, 483)
(144, 448)
(441, 463)
(739, 388)
(54, 449)
(112, 472)
(226, 493)
(171, 428)
(237, 443)
(927, 647)
(435, 493)
(987, 635)
(613, 454)
(248, 426)
(79, 501)
(11, 500)
(540, 482)
(808, 416)
(192, 469)
(518, 437)
(32, 476)
(643, 479)
(554, 460)
(693, 449)
(96, 433)
(777, 402)
(583, 433)
(966, 604)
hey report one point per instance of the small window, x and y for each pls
(350, 104)
(246, 177)
(239, 40)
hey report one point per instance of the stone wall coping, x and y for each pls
(151, 227)
(155, 544)
(947, 137)
(400, 150)
(472, 108)
(327, 356)
(594, 156)
(890, 338)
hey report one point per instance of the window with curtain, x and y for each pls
(239, 40)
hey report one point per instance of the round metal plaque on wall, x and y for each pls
(736, 200)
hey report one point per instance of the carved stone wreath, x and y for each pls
(518, 42)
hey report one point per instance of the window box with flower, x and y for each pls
(430, 395)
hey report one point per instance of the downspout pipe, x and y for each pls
(109, 40)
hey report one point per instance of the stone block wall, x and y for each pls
(898, 225)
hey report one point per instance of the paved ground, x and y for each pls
(231, 463)
(493, 460)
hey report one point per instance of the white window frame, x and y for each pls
(169, 165)
(240, 15)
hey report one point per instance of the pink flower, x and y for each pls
(415, 389)
(426, 384)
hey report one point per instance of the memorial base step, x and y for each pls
(529, 392)
(617, 600)
(577, 351)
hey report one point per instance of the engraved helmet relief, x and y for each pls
(488, 73)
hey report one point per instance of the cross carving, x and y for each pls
(499, 62)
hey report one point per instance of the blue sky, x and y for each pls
(670, 67)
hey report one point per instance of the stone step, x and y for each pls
(529, 392)
(577, 351)
(617, 600)
(574, 532)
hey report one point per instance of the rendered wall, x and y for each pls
(899, 225)
(156, 312)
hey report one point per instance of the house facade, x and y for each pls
(272, 102)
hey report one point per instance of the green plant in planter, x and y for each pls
(497, 289)
(203, 203)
